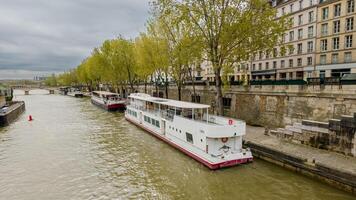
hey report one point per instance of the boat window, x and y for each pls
(157, 123)
(189, 137)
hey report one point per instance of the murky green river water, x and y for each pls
(74, 150)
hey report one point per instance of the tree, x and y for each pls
(151, 53)
(181, 51)
(230, 30)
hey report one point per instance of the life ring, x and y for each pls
(224, 140)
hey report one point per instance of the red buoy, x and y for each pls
(30, 118)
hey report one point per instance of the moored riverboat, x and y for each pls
(214, 141)
(63, 90)
(75, 92)
(107, 100)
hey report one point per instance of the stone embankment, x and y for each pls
(333, 168)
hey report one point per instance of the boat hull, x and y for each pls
(212, 166)
(110, 107)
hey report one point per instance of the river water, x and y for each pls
(74, 150)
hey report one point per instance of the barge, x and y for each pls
(75, 92)
(108, 101)
(214, 141)
(10, 112)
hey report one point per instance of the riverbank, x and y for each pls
(13, 111)
(332, 168)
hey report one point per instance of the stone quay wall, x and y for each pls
(335, 177)
(275, 106)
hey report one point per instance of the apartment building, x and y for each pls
(240, 72)
(336, 48)
(295, 59)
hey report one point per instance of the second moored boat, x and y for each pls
(108, 100)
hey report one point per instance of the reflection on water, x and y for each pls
(74, 150)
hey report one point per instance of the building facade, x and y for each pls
(295, 58)
(335, 52)
(319, 44)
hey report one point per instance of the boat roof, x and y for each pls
(105, 93)
(168, 102)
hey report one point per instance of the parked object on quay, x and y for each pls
(212, 140)
(107, 100)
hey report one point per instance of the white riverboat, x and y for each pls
(107, 100)
(74, 92)
(212, 140)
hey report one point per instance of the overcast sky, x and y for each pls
(43, 36)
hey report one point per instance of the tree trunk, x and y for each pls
(179, 91)
(193, 84)
(145, 87)
(219, 96)
(166, 85)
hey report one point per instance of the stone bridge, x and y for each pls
(28, 88)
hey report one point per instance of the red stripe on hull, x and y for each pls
(112, 107)
(197, 158)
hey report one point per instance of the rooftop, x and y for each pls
(168, 102)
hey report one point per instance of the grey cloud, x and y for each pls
(55, 35)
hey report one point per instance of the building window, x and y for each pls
(325, 13)
(336, 42)
(336, 26)
(260, 54)
(282, 64)
(299, 62)
(267, 65)
(300, 19)
(337, 10)
(267, 54)
(290, 62)
(310, 60)
(291, 7)
(350, 6)
(322, 59)
(189, 137)
(347, 57)
(310, 46)
(283, 11)
(310, 31)
(253, 67)
(310, 2)
(274, 64)
(311, 16)
(324, 45)
(334, 58)
(349, 24)
(291, 49)
(300, 33)
(300, 48)
(348, 41)
(284, 36)
(324, 29)
(300, 4)
(275, 53)
(226, 102)
(291, 35)
(259, 66)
